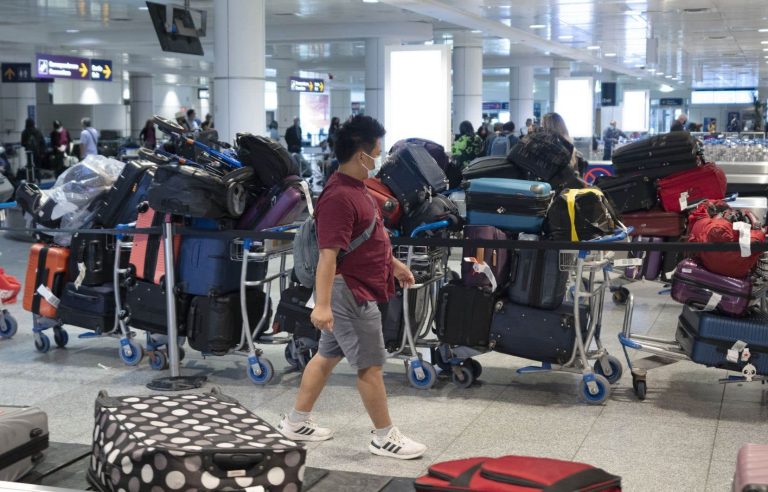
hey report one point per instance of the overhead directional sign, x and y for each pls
(101, 70)
(298, 84)
(18, 72)
(72, 67)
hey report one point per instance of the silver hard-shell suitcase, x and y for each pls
(23, 438)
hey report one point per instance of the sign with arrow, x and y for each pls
(298, 84)
(18, 72)
(101, 70)
(72, 67)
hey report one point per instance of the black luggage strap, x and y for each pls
(589, 479)
(465, 478)
(37, 444)
(536, 294)
(41, 278)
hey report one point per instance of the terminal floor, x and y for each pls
(683, 437)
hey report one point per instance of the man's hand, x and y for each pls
(402, 274)
(322, 318)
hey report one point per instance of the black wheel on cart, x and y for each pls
(463, 376)
(437, 356)
(477, 368)
(640, 389)
(620, 296)
(289, 357)
(60, 336)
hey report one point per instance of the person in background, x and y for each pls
(273, 133)
(89, 139)
(60, 144)
(293, 137)
(208, 123)
(555, 123)
(482, 132)
(611, 137)
(346, 295)
(182, 121)
(497, 127)
(679, 124)
(467, 146)
(500, 144)
(528, 128)
(332, 130)
(192, 122)
(33, 141)
(148, 137)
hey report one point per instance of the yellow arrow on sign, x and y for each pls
(107, 71)
(9, 73)
(83, 70)
(321, 86)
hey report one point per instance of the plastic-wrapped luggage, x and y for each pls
(720, 230)
(508, 204)
(413, 176)
(23, 438)
(680, 189)
(657, 156)
(629, 193)
(183, 442)
(120, 204)
(45, 279)
(693, 284)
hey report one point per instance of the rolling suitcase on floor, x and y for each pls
(121, 202)
(389, 207)
(215, 323)
(536, 334)
(23, 438)
(630, 193)
(146, 307)
(148, 254)
(651, 267)
(392, 321)
(189, 442)
(509, 204)
(694, 285)
(655, 223)
(537, 279)
(491, 167)
(498, 259)
(413, 176)
(44, 280)
(658, 156)
(464, 315)
(679, 190)
(751, 469)
(707, 337)
(91, 307)
(96, 254)
(292, 314)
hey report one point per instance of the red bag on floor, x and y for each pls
(678, 190)
(516, 474)
(729, 263)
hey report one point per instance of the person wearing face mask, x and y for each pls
(347, 292)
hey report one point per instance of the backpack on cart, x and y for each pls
(270, 160)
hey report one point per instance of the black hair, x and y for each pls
(508, 127)
(29, 123)
(190, 112)
(465, 128)
(361, 132)
(56, 124)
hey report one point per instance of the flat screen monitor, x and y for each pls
(175, 43)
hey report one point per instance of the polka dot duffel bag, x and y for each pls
(195, 442)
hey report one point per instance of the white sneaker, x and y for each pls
(396, 445)
(304, 431)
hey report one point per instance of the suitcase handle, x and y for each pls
(240, 461)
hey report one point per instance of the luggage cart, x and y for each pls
(429, 267)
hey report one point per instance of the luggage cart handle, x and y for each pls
(247, 242)
(7, 205)
(122, 227)
(440, 224)
(618, 235)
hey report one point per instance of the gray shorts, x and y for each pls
(357, 333)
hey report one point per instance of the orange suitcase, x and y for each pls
(147, 254)
(45, 279)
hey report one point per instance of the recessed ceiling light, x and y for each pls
(763, 42)
(144, 8)
(476, 31)
(593, 48)
(659, 73)
(609, 55)
(370, 1)
(762, 30)
(566, 37)
(537, 26)
(667, 76)
(73, 31)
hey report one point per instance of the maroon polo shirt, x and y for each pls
(344, 212)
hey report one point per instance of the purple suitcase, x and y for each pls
(498, 259)
(751, 468)
(692, 284)
(282, 205)
(651, 263)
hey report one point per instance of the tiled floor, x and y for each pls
(683, 437)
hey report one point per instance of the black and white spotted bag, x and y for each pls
(189, 443)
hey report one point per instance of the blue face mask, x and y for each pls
(376, 165)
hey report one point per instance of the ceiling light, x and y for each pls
(566, 37)
(668, 77)
(593, 48)
(73, 31)
(659, 73)
(762, 30)
(666, 88)
(537, 26)
(476, 31)
(609, 55)
(370, 1)
(144, 8)
(763, 42)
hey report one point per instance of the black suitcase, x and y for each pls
(537, 334)
(91, 307)
(96, 252)
(629, 193)
(215, 323)
(120, 205)
(464, 315)
(292, 313)
(413, 176)
(392, 320)
(542, 155)
(491, 167)
(145, 304)
(23, 438)
(537, 279)
(658, 156)
(189, 442)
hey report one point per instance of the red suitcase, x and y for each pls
(45, 279)
(679, 190)
(516, 474)
(655, 223)
(387, 202)
(147, 254)
(751, 469)
(728, 263)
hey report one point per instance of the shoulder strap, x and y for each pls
(365, 235)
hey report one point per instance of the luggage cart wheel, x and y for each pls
(8, 326)
(60, 336)
(292, 360)
(616, 369)
(477, 368)
(640, 389)
(462, 375)
(594, 389)
(42, 343)
(260, 370)
(638, 383)
(620, 295)
(131, 352)
(158, 360)
(421, 374)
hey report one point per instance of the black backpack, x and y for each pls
(434, 209)
(270, 160)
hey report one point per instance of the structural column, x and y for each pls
(467, 79)
(14, 100)
(520, 94)
(374, 78)
(288, 102)
(239, 43)
(560, 69)
(341, 103)
(142, 101)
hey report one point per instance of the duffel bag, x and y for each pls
(542, 154)
(435, 209)
(720, 230)
(271, 161)
(580, 215)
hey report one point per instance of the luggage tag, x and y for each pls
(485, 268)
(733, 352)
(48, 295)
(80, 275)
(744, 229)
(628, 262)
(311, 301)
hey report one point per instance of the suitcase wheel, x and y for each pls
(620, 296)
(265, 368)
(60, 336)
(8, 325)
(42, 343)
(596, 391)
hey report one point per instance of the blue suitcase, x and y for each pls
(706, 338)
(510, 204)
(206, 267)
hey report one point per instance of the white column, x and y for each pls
(560, 69)
(467, 79)
(239, 43)
(288, 102)
(520, 94)
(341, 103)
(374, 78)
(142, 101)
(14, 99)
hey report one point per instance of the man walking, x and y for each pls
(89, 139)
(611, 137)
(347, 291)
(293, 137)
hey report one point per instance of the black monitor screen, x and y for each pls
(175, 43)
